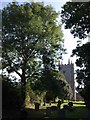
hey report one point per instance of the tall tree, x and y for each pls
(83, 74)
(76, 17)
(28, 30)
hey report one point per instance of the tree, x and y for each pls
(51, 80)
(76, 17)
(54, 84)
(83, 61)
(83, 74)
(28, 30)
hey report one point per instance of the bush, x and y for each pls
(85, 93)
(11, 97)
(49, 96)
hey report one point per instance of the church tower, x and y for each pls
(68, 71)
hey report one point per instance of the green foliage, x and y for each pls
(54, 84)
(29, 29)
(76, 17)
(83, 61)
(28, 37)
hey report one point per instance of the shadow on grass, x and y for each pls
(79, 113)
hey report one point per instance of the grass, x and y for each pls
(79, 111)
(75, 104)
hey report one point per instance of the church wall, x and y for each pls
(68, 71)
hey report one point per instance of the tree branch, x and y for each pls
(16, 70)
(18, 73)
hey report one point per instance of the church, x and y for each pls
(68, 71)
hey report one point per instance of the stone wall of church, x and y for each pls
(68, 71)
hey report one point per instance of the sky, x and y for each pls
(69, 41)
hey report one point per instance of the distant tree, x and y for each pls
(54, 84)
(27, 30)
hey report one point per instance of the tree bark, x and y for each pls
(23, 88)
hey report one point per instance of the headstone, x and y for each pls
(44, 104)
(70, 106)
(65, 107)
(49, 103)
(37, 106)
(59, 104)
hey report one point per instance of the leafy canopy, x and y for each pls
(76, 16)
(29, 29)
(54, 84)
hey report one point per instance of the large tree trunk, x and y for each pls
(23, 89)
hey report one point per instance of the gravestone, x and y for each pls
(44, 103)
(37, 105)
(70, 106)
(65, 107)
(59, 104)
